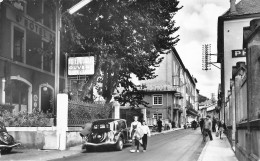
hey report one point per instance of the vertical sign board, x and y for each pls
(238, 53)
(81, 65)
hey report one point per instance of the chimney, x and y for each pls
(233, 7)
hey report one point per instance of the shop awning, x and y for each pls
(191, 111)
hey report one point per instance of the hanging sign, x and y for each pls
(238, 53)
(81, 65)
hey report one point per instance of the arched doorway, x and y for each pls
(46, 98)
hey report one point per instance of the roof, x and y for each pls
(250, 31)
(178, 57)
(193, 80)
(244, 9)
(190, 77)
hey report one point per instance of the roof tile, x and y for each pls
(245, 7)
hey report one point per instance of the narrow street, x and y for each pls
(182, 145)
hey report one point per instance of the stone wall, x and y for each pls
(43, 137)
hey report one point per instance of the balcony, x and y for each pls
(177, 107)
(178, 95)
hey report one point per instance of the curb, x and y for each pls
(203, 152)
(167, 131)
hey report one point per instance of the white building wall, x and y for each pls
(233, 40)
(164, 72)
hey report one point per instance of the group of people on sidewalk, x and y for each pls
(208, 126)
(139, 132)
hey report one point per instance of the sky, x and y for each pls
(198, 25)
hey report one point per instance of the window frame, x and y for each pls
(21, 29)
(156, 96)
(156, 116)
(42, 58)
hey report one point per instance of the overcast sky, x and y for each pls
(198, 25)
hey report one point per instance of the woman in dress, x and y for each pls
(134, 125)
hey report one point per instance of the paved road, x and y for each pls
(181, 145)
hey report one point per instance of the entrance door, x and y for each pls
(46, 100)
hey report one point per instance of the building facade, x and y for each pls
(238, 52)
(27, 30)
(171, 91)
(230, 40)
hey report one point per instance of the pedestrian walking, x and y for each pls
(159, 124)
(194, 124)
(147, 133)
(214, 122)
(135, 142)
(173, 124)
(201, 125)
(208, 127)
(217, 123)
(221, 128)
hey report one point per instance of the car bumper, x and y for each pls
(99, 144)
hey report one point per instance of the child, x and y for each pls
(146, 132)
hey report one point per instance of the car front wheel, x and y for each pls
(119, 144)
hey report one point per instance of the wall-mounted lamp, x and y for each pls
(45, 87)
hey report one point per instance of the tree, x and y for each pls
(126, 37)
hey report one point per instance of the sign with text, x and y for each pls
(31, 25)
(81, 65)
(238, 53)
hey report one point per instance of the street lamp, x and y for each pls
(72, 10)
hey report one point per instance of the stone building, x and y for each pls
(27, 30)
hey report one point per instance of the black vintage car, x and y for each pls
(106, 132)
(6, 140)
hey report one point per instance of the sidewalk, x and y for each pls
(44, 155)
(217, 150)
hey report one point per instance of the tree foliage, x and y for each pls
(126, 37)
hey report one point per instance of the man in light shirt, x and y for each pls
(146, 132)
(208, 126)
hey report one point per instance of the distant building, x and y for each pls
(171, 92)
(208, 107)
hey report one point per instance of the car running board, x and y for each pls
(9, 146)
